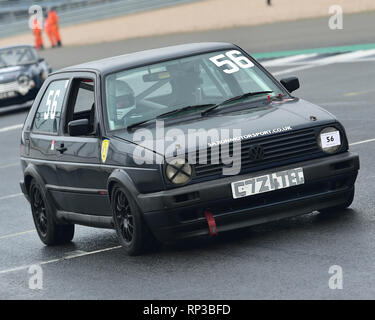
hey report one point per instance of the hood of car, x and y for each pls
(10, 74)
(246, 123)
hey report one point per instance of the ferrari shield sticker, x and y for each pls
(105, 145)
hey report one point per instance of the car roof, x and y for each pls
(137, 59)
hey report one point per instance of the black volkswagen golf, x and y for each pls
(22, 73)
(178, 142)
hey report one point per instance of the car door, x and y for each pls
(82, 183)
(40, 142)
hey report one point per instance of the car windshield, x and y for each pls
(17, 56)
(140, 94)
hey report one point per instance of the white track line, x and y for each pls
(345, 57)
(360, 142)
(287, 60)
(303, 63)
(366, 60)
(290, 70)
(16, 164)
(14, 127)
(73, 256)
(16, 234)
(11, 196)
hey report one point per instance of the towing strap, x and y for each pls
(211, 223)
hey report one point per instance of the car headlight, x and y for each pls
(178, 171)
(329, 140)
(23, 80)
(25, 84)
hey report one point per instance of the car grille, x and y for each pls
(8, 87)
(276, 148)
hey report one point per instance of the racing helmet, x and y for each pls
(124, 95)
(186, 82)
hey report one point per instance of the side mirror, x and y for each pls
(291, 84)
(40, 60)
(79, 127)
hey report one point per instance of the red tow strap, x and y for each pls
(211, 223)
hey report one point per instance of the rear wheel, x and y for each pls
(342, 206)
(49, 232)
(131, 231)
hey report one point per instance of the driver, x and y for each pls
(124, 100)
(186, 82)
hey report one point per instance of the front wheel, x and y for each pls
(49, 232)
(342, 206)
(132, 232)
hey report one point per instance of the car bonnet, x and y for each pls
(269, 119)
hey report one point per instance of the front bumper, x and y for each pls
(179, 213)
(19, 101)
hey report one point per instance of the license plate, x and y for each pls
(269, 182)
(6, 95)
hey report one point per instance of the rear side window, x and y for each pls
(81, 102)
(85, 97)
(47, 117)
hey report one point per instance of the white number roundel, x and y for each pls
(51, 104)
(235, 62)
(239, 59)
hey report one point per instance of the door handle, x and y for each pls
(61, 149)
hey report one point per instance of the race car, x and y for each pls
(22, 73)
(178, 142)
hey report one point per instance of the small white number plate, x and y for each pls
(266, 183)
(330, 139)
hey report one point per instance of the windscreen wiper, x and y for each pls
(236, 98)
(185, 109)
(137, 124)
(162, 115)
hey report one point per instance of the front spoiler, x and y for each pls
(329, 182)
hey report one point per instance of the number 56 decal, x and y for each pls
(235, 61)
(51, 104)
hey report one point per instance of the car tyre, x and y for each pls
(48, 230)
(132, 232)
(342, 206)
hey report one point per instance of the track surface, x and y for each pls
(280, 260)
(304, 34)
